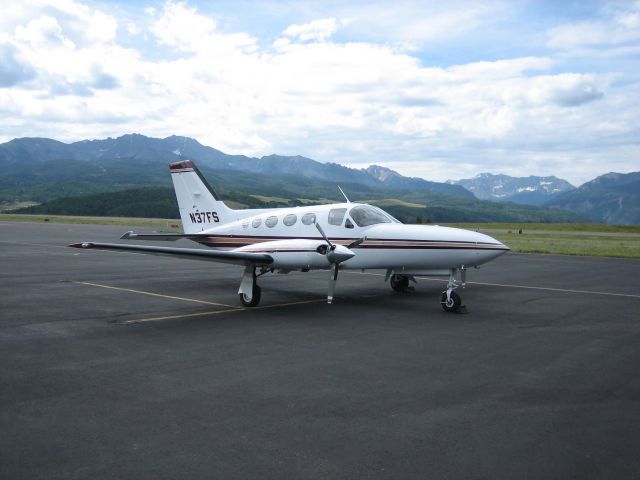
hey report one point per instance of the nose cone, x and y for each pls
(488, 247)
(340, 254)
(482, 238)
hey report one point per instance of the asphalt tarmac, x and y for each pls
(120, 365)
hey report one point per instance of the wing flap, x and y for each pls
(233, 257)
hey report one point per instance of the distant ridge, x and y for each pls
(610, 198)
(164, 150)
(530, 190)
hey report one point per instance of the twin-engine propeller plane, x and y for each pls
(331, 237)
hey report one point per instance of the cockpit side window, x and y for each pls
(336, 216)
(365, 215)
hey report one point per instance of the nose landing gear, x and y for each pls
(450, 300)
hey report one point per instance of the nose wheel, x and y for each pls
(450, 300)
(451, 303)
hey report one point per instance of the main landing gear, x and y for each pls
(450, 300)
(399, 283)
(249, 291)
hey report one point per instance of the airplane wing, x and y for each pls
(170, 237)
(223, 256)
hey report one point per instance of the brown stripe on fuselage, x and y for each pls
(230, 241)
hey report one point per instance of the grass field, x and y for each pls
(9, 207)
(264, 198)
(160, 223)
(591, 239)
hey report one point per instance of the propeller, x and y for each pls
(324, 235)
(336, 254)
(357, 242)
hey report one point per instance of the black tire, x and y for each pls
(255, 297)
(399, 283)
(453, 305)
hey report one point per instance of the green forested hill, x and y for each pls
(142, 202)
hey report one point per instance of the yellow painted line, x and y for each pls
(301, 302)
(152, 294)
(183, 315)
(216, 312)
(230, 308)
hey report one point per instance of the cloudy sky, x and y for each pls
(432, 89)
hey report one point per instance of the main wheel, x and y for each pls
(255, 297)
(451, 305)
(399, 282)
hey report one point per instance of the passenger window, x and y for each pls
(271, 221)
(309, 218)
(336, 216)
(290, 220)
(348, 224)
(256, 222)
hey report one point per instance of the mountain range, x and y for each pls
(530, 190)
(40, 152)
(610, 198)
(42, 170)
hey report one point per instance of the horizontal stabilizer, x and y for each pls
(233, 257)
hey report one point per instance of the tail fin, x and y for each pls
(199, 204)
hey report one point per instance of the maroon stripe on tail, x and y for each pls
(184, 164)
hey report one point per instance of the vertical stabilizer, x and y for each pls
(199, 204)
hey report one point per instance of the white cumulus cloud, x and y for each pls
(69, 76)
(318, 30)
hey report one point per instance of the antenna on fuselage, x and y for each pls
(345, 197)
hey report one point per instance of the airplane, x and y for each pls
(334, 237)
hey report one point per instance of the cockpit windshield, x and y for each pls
(365, 215)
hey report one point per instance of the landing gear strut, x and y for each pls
(249, 291)
(450, 300)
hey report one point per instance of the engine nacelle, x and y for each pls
(297, 254)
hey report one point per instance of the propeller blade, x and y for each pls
(324, 235)
(332, 283)
(357, 242)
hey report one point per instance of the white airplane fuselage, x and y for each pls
(391, 245)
